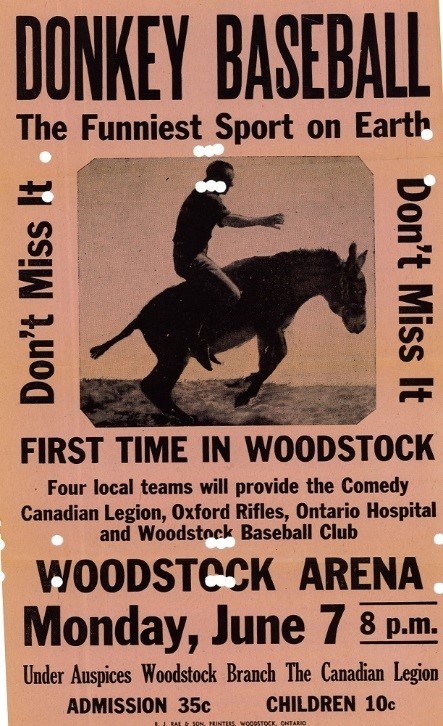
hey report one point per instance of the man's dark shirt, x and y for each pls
(198, 216)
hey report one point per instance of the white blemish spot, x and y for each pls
(429, 180)
(56, 581)
(210, 186)
(57, 540)
(47, 197)
(45, 156)
(427, 134)
(208, 150)
(438, 588)
(219, 581)
(438, 539)
(220, 542)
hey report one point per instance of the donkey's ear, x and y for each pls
(352, 257)
(352, 253)
(353, 262)
(361, 259)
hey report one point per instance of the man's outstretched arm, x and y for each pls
(237, 220)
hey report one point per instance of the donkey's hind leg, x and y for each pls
(272, 349)
(158, 385)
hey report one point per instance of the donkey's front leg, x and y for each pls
(272, 349)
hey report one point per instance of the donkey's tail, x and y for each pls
(98, 350)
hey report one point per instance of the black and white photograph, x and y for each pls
(226, 291)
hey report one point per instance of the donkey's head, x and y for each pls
(347, 298)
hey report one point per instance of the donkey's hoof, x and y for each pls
(166, 405)
(242, 399)
(183, 417)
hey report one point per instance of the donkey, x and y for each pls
(273, 290)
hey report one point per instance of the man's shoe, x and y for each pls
(202, 353)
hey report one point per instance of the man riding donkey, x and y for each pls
(199, 214)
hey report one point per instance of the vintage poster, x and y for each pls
(221, 349)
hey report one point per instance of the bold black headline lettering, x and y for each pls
(107, 57)
(55, 56)
(283, 448)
